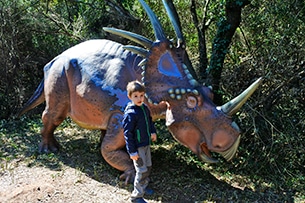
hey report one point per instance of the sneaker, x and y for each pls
(138, 200)
(149, 191)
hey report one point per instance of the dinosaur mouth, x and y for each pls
(228, 154)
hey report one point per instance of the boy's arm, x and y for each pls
(130, 139)
(153, 130)
(152, 126)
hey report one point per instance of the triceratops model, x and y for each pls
(87, 83)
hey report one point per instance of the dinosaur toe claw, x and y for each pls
(128, 176)
(48, 147)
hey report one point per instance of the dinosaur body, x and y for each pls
(87, 83)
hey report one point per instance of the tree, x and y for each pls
(226, 28)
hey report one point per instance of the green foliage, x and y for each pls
(269, 44)
(27, 43)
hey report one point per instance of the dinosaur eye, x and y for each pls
(191, 102)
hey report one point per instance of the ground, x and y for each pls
(78, 172)
(40, 184)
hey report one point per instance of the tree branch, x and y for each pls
(203, 58)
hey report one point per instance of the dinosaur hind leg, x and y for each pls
(112, 148)
(49, 142)
(57, 97)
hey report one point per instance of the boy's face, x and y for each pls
(137, 98)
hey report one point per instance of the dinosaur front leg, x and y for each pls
(112, 148)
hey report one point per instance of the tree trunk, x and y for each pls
(225, 32)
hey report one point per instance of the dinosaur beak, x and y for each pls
(205, 154)
(231, 107)
(229, 154)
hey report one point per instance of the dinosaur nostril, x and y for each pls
(221, 140)
(218, 146)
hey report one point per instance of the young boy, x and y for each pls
(139, 131)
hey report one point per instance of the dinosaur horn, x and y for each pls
(159, 33)
(136, 50)
(231, 107)
(174, 21)
(131, 36)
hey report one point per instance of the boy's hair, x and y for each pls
(134, 86)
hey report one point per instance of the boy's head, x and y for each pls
(134, 86)
(135, 92)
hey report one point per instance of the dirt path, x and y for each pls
(40, 184)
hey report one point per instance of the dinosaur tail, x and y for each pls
(36, 99)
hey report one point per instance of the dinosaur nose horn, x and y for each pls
(231, 107)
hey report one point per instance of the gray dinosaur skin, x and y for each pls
(88, 83)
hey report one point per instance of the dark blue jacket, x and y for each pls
(138, 126)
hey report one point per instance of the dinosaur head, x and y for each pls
(191, 116)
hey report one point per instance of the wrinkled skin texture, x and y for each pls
(88, 83)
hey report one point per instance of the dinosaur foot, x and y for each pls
(49, 147)
(128, 176)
